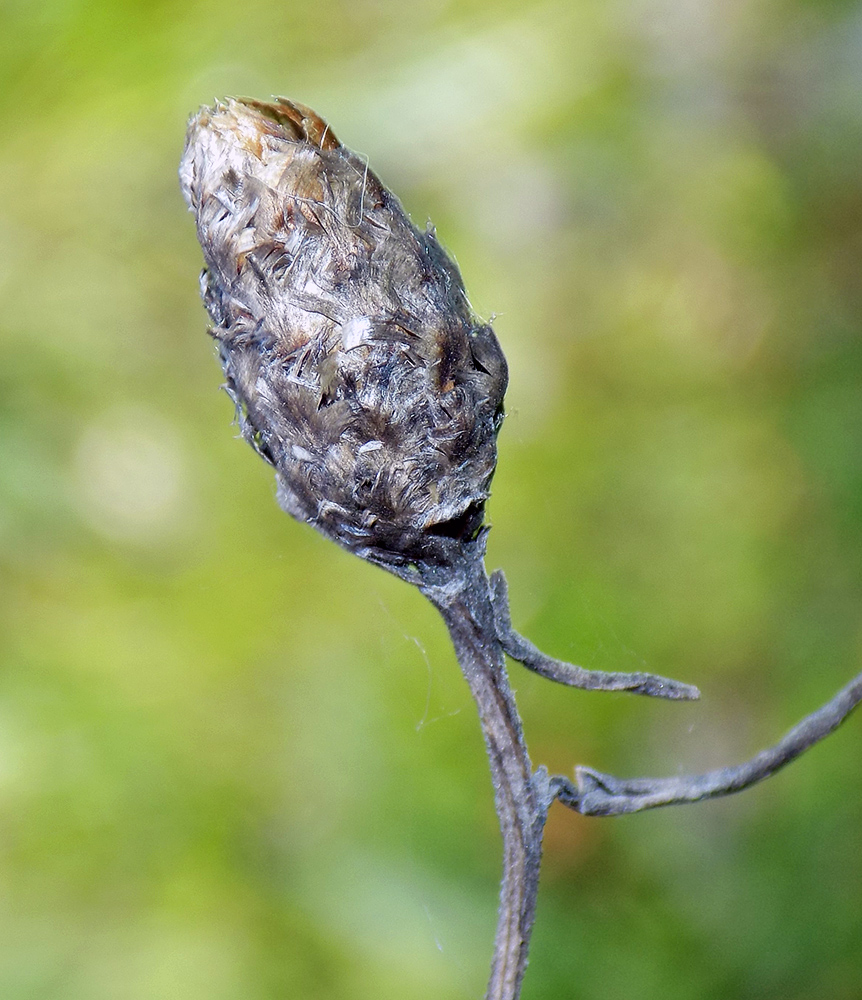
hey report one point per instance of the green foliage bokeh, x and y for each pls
(236, 763)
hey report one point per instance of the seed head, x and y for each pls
(357, 366)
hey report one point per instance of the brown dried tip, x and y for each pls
(358, 368)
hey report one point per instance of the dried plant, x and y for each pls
(360, 373)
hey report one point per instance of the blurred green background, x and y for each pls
(238, 764)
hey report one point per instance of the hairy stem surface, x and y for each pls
(463, 598)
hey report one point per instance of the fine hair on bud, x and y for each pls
(357, 366)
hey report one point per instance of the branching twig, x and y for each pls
(598, 794)
(534, 659)
(476, 613)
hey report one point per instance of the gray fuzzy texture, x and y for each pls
(348, 343)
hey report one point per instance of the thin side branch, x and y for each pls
(534, 659)
(597, 794)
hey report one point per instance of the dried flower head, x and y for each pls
(358, 368)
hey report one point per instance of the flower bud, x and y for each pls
(358, 368)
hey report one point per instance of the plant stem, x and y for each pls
(463, 597)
